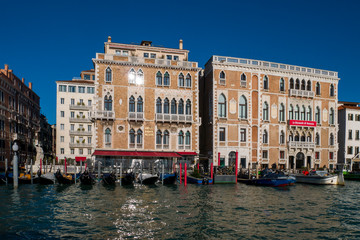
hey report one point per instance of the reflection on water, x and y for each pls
(178, 212)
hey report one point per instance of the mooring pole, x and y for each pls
(142, 167)
(75, 170)
(163, 172)
(31, 171)
(80, 166)
(99, 170)
(6, 169)
(185, 175)
(46, 166)
(212, 171)
(236, 166)
(15, 166)
(180, 173)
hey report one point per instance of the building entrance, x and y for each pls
(300, 160)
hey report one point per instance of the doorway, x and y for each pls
(300, 160)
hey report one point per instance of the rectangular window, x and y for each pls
(62, 150)
(61, 138)
(89, 139)
(350, 150)
(72, 101)
(282, 154)
(62, 126)
(72, 139)
(176, 58)
(89, 103)
(350, 134)
(81, 89)
(62, 114)
(62, 101)
(169, 57)
(90, 89)
(350, 117)
(243, 135)
(89, 128)
(357, 135)
(222, 134)
(125, 53)
(118, 52)
(356, 150)
(62, 88)
(146, 55)
(72, 114)
(265, 154)
(86, 76)
(89, 151)
(317, 155)
(93, 77)
(80, 151)
(72, 151)
(331, 155)
(72, 126)
(153, 55)
(72, 88)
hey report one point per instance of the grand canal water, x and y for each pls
(178, 212)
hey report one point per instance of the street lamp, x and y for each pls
(15, 148)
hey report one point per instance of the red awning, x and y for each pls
(187, 153)
(78, 159)
(135, 153)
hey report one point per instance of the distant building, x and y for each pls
(74, 129)
(270, 113)
(146, 102)
(349, 134)
(53, 135)
(19, 117)
(45, 138)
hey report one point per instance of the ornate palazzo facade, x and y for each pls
(269, 113)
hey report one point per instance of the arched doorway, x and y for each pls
(300, 160)
(232, 157)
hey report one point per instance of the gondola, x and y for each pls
(87, 178)
(169, 178)
(147, 178)
(127, 179)
(46, 178)
(109, 178)
(24, 178)
(64, 178)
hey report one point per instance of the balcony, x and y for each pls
(80, 107)
(102, 115)
(294, 144)
(301, 93)
(178, 118)
(80, 133)
(80, 145)
(82, 119)
(136, 116)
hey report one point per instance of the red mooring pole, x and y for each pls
(180, 174)
(218, 159)
(198, 166)
(236, 166)
(212, 171)
(185, 179)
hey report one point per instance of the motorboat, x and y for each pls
(168, 178)
(320, 178)
(272, 179)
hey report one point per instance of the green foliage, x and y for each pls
(196, 173)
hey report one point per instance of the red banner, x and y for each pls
(302, 123)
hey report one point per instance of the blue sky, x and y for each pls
(46, 41)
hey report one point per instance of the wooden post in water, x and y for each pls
(31, 171)
(99, 170)
(65, 168)
(142, 167)
(180, 173)
(75, 170)
(163, 164)
(212, 171)
(236, 166)
(185, 179)
(6, 169)
(257, 170)
(46, 166)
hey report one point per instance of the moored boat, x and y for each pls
(24, 178)
(352, 176)
(168, 178)
(46, 178)
(64, 178)
(147, 178)
(87, 178)
(272, 179)
(320, 178)
(201, 181)
(127, 179)
(109, 178)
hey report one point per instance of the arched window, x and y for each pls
(188, 80)
(265, 111)
(291, 83)
(317, 115)
(243, 107)
(140, 104)
(132, 76)
(187, 138)
(317, 89)
(297, 84)
(181, 138)
(107, 136)
(303, 112)
(332, 90)
(265, 137)
(222, 75)
(317, 139)
(188, 107)
(158, 78)
(181, 107)
(282, 85)
(108, 77)
(181, 80)
(282, 137)
(308, 114)
(166, 79)
(308, 87)
(266, 82)
(303, 137)
(158, 137)
(297, 137)
(108, 103)
(166, 139)
(291, 137)
(139, 136)
(173, 106)
(140, 77)
(331, 117)
(222, 106)
(297, 110)
(303, 85)
(132, 136)
(331, 140)
(132, 104)
(291, 112)
(281, 113)
(243, 80)
(232, 159)
(158, 105)
(308, 139)
(166, 106)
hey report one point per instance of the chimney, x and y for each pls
(181, 44)
(109, 38)
(6, 69)
(30, 85)
(23, 80)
